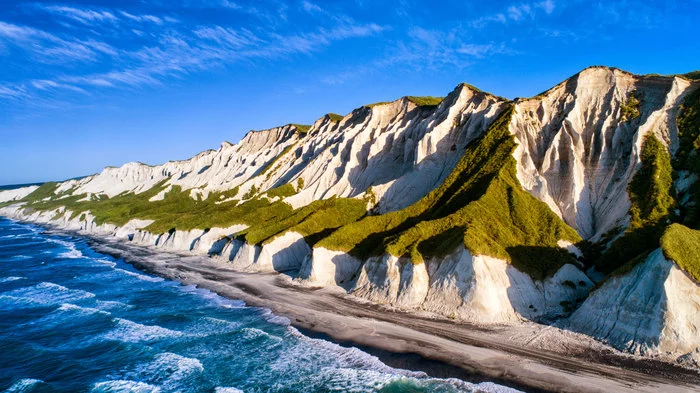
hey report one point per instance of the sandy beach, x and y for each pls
(528, 356)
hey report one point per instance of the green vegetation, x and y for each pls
(336, 118)
(44, 191)
(481, 205)
(688, 158)
(253, 191)
(630, 110)
(300, 184)
(426, 101)
(302, 128)
(312, 221)
(282, 191)
(682, 244)
(650, 189)
(694, 75)
(651, 200)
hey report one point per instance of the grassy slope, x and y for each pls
(682, 245)
(481, 204)
(654, 206)
(651, 200)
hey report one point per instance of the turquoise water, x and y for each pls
(74, 320)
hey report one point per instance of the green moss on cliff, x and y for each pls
(630, 110)
(282, 191)
(687, 160)
(650, 193)
(682, 245)
(426, 101)
(336, 118)
(480, 202)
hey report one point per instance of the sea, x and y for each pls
(75, 320)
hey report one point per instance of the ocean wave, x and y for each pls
(48, 293)
(71, 253)
(276, 319)
(13, 302)
(141, 277)
(11, 278)
(24, 385)
(342, 357)
(169, 371)
(124, 386)
(222, 389)
(208, 326)
(72, 308)
(213, 297)
(105, 305)
(132, 332)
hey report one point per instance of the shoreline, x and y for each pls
(501, 354)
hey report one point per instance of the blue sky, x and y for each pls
(85, 84)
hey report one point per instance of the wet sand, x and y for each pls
(528, 356)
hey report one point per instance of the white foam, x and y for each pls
(111, 305)
(221, 389)
(124, 386)
(141, 277)
(276, 319)
(68, 307)
(254, 333)
(344, 357)
(72, 253)
(23, 385)
(132, 332)
(170, 371)
(209, 326)
(12, 278)
(48, 293)
(215, 298)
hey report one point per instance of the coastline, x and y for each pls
(529, 356)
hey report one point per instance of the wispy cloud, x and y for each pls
(49, 48)
(516, 13)
(172, 49)
(85, 16)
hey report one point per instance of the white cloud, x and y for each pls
(516, 13)
(85, 16)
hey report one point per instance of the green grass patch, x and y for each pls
(688, 157)
(651, 203)
(282, 191)
(481, 204)
(336, 118)
(693, 75)
(46, 190)
(312, 221)
(426, 101)
(302, 128)
(630, 110)
(682, 245)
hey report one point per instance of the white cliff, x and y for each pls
(652, 310)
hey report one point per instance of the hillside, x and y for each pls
(577, 207)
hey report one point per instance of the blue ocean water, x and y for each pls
(74, 320)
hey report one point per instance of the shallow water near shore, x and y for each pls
(72, 319)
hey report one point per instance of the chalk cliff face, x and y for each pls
(577, 152)
(577, 148)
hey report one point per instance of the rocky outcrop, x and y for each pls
(653, 310)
